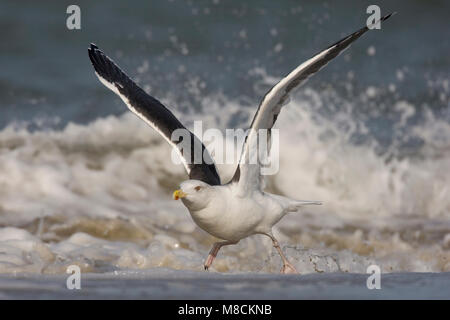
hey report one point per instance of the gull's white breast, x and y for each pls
(231, 217)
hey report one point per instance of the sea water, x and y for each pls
(84, 182)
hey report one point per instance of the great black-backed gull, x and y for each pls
(238, 208)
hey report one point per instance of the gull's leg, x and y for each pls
(287, 266)
(215, 249)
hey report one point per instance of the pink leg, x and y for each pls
(287, 266)
(215, 249)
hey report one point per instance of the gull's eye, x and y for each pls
(197, 188)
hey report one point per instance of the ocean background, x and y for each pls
(83, 181)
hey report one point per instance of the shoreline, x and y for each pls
(179, 284)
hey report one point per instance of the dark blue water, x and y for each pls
(185, 50)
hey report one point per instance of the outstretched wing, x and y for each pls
(248, 172)
(199, 166)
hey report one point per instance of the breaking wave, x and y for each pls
(99, 194)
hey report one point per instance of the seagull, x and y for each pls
(239, 208)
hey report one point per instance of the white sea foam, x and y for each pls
(98, 195)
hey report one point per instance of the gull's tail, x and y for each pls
(296, 204)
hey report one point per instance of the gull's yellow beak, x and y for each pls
(177, 194)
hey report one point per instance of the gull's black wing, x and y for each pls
(248, 175)
(156, 115)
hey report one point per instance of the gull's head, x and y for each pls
(195, 194)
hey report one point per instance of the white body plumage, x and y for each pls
(226, 214)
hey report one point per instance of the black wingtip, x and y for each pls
(106, 68)
(388, 16)
(381, 19)
(96, 57)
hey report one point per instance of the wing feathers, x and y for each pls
(275, 98)
(153, 113)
